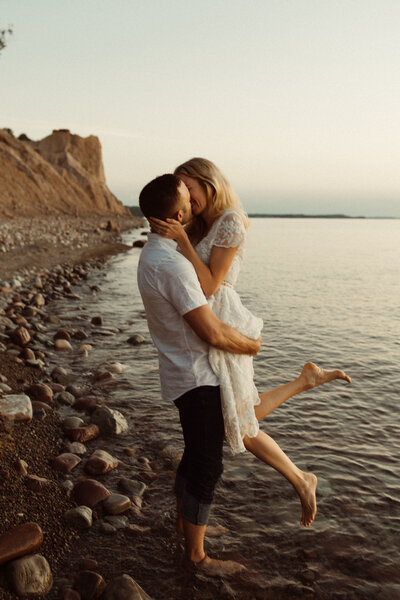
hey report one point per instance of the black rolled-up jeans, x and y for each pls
(201, 464)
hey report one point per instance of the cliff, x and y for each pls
(62, 174)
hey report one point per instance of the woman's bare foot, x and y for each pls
(314, 376)
(218, 568)
(306, 491)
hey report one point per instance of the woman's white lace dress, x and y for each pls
(235, 371)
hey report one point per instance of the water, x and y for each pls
(328, 291)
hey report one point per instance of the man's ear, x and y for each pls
(178, 216)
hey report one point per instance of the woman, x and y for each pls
(214, 242)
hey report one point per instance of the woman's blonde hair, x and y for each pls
(220, 194)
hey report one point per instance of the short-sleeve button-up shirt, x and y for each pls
(169, 288)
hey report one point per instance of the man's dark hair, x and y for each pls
(159, 197)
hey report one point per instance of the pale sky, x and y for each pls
(297, 101)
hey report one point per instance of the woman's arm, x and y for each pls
(210, 277)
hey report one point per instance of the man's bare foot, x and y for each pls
(308, 499)
(314, 376)
(218, 568)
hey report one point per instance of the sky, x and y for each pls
(297, 101)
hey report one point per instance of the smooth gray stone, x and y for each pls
(30, 576)
(132, 486)
(124, 588)
(80, 517)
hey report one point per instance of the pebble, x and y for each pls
(62, 345)
(110, 421)
(107, 528)
(4, 388)
(115, 504)
(31, 576)
(119, 522)
(90, 492)
(116, 367)
(100, 463)
(90, 585)
(97, 320)
(21, 467)
(60, 375)
(89, 404)
(135, 340)
(16, 407)
(36, 483)
(72, 423)
(84, 434)
(132, 486)
(62, 335)
(65, 398)
(124, 588)
(19, 541)
(65, 462)
(88, 564)
(41, 392)
(20, 336)
(77, 448)
(80, 517)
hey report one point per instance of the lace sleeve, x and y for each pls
(230, 231)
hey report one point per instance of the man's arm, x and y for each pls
(216, 333)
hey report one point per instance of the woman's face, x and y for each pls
(198, 194)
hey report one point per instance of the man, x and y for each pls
(183, 326)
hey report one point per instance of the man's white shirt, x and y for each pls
(169, 288)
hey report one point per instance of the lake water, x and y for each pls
(329, 292)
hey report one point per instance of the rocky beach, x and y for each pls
(44, 505)
(58, 223)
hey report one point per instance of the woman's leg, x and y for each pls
(267, 450)
(311, 376)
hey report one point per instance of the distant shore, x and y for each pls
(303, 216)
(135, 210)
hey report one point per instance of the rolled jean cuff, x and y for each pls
(194, 511)
(180, 484)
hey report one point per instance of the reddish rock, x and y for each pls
(88, 564)
(62, 335)
(36, 483)
(27, 354)
(100, 463)
(84, 434)
(90, 585)
(56, 387)
(88, 404)
(90, 492)
(19, 541)
(65, 462)
(104, 376)
(20, 336)
(97, 320)
(41, 392)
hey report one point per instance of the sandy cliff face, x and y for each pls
(61, 174)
